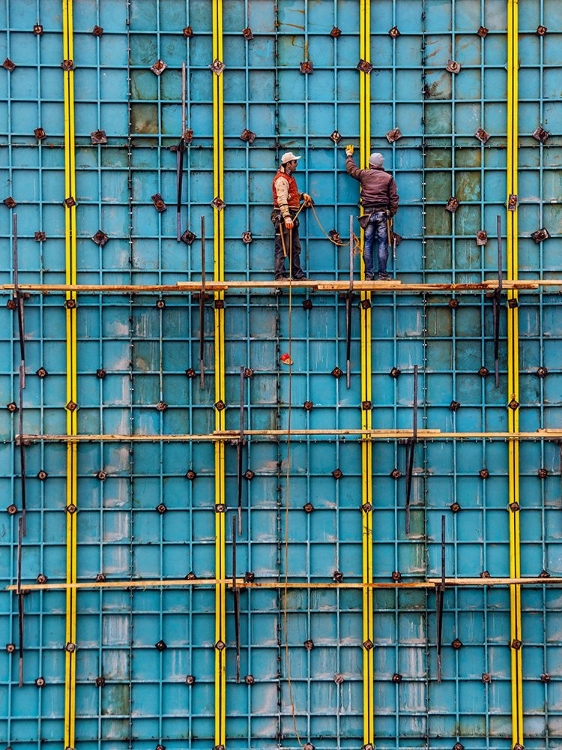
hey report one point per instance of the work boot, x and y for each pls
(300, 278)
(384, 277)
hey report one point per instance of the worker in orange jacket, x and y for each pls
(286, 204)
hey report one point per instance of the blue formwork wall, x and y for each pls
(302, 647)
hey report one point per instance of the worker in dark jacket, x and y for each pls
(286, 204)
(379, 199)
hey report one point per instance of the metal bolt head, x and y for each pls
(514, 507)
(452, 205)
(69, 202)
(40, 134)
(161, 406)
(219, 304)
(542, 473)
(545, 677)
(249, 679)
(396, 575)
(542, 372)
(308, 746)
(41, 578)
(12, 407)
(248, 136)
(481, 237)
(190, 679)
(308, 644)
(247, 237)
(335, 32)
(160, 646)
(368, 645)
(40, 682)
(482, 32)
(485, 574)
(396, 677)
(217, 67)
(366, 405)
(72, 406)
(70, 648)
(456, 644)
(248, 372)
(516, 644)
(458, 746)
(188, 237)
(218, 203)
(337, 576)
(220, 508)
(455, 507)
(159, 67)
(368, 746)
(308, 405)
(486, 677)
(396, 473)
(38, 29)
(366, 507)
(71, 508)
(190, 372)
(10, 647)
(42, 475)
(544, 574)
(518, 747)
(101, 475)
(541, 30)
(395, 372)
(364, 67)
(337, 473)
(191, 576)
(247, 34)
(161, 508)
(482, 135)
(220, 645)
(540, 134)
(8, 64)
(11, 304)
(160, 304)
(339, 678)
(307, 304)
(541, 235)
(220, 405)
(454, 405)
(513, 404)
(484, 473)
(160, 747)
(190, 475)
(10, 202)
(159, 203)
(336, 372)
(100, 577)
(11, 510)
(308, 507)
(100, 238)
(393, 135)
(98, 138)
(453, 66)
(100, 681)
(188, 31)
(249, 475)
(512, 303)
(366, 304)
(249, 577)
(307, 67)
(336, 138)
(394, 32)
(97, 31)
(483, 372)
(453, 303)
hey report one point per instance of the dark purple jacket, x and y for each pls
(378, 189)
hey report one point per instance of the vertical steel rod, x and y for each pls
(348, 305)
(439, 597)
(236, 593)
(410, 447)
(239, 449)
(202, 308)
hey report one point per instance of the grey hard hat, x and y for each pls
(376, 160)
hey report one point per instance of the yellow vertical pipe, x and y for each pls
(71, 377)
(366, 414)
(220, 388)
(513, 371)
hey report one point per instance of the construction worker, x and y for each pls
(379, 199)
(286, 203)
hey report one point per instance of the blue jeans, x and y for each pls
(376, 227)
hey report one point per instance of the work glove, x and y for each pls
(349, 150)
(307, 200)
(289, 222)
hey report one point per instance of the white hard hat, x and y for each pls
(289, 156)
(376, 160)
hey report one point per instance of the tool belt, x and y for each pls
(277, 218)
(364, 220)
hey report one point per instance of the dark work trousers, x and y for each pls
(291, 244)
